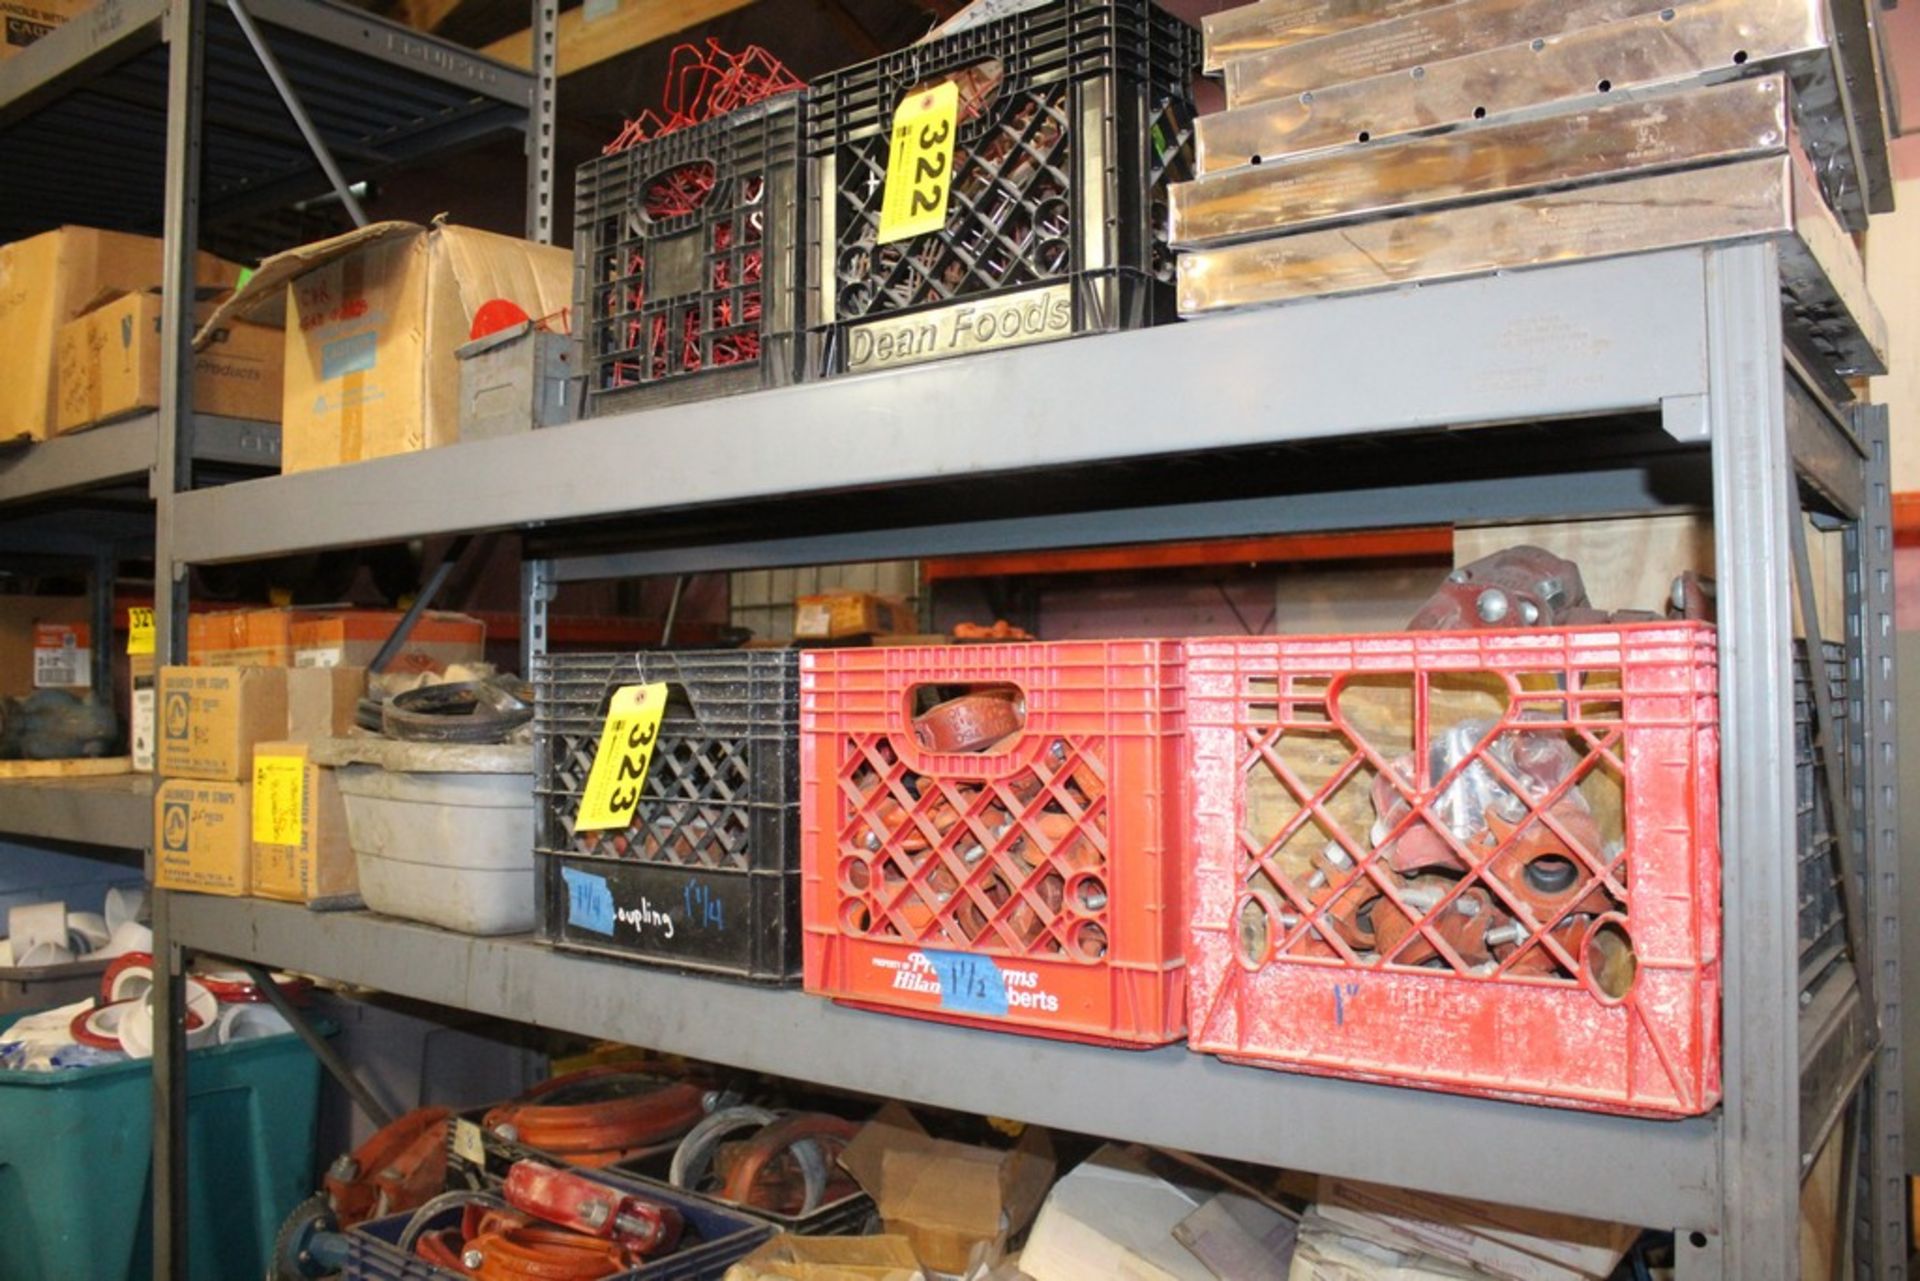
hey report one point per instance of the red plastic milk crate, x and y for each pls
(1036, 886)
(1483, 862)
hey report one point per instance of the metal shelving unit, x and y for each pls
(1633, 385)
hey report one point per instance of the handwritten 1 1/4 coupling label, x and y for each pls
(620, 765)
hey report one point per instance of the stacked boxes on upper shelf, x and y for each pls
(1421, 142)
(373, 319)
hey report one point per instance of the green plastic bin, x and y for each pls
(75, 1147)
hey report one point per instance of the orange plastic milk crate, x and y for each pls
(992, 835)
(1483, 862)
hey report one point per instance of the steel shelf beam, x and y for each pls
(1611, 1167)
(121, 452)
(113, 813)
(1591, 339)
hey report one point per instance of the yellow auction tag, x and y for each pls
(919, 164)
(626, 749)
(279, 799)
(139, 631)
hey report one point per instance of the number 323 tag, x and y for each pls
(919, 164)
(626, 749)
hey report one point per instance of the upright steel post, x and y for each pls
(105, 568)
(1760, 1123)
(1876, 816)
(536, 593)
(546, 73)
(173, 472)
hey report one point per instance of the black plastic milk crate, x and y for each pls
(715, 1237)
(707, 877)
(1057, 215)
(1822, 919)
(705, 299)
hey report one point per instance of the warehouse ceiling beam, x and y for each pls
(634, 25)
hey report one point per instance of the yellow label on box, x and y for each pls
(920, 164)
(279, 799)
(139, 631)
(626, 749)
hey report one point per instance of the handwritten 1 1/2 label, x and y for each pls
(969, 983)
(919, 164)
(279, 799)
(626, 749)
(139, 631)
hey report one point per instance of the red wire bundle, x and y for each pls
(706, 83)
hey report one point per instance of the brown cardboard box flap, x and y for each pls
(791, 1258)
(263, 298)
(947, 1195)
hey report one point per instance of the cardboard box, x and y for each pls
(1116, 1215)
(834, 615)
(28, 20)
(299, 828)
(372, 321)
(211, 718)
(49, 279)
(20, 620)
(330, 636)
(957, 1204)
(790, 1258)
(321, 701)
(108, 365)
(205, 836)
(1528, 1245)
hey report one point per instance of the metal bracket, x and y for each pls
(1851, 887)
(1685, 419)
(537, 589)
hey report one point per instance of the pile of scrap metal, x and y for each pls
(1371, 146)
(1491, 856)
(51, 724)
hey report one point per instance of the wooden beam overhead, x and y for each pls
(633, 25)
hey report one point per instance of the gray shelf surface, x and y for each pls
(1619, 336)
(1642, 1171)
(83, 115)
(115, 812)
(122, 452)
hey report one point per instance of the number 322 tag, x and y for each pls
(920, 164)
(626, 749)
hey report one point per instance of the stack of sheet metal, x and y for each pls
(1375, 143)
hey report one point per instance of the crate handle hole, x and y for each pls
(1609, 959)
(678, 191)
(979, 85)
